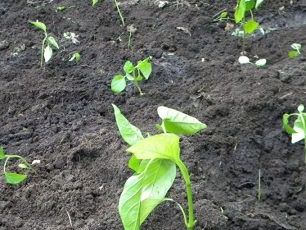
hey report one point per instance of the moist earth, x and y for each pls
(62, 115)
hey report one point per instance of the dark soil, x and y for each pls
(62, 115)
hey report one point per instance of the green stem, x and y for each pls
(191, 221)
(304, 128)
(259, 185)
(138, 87)
(43, 50)
(119, 12)
(130, 39)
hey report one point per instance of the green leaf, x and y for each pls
(76, 56)
(145, 68)
(128, 67)
(118, 83)
(143, 192)
(161, 146)
(39, 25)
(94, 2)
(2, 154)
(23, 166)
(296, 46)
(134, 163)
(286, 125)
(250, 26)
(293, 54)
(261, 62)
(52, 42)
(258, 3)
(130, 133)
(178, 122)
(61, 8)
(240, 11)
(14, 178)
(300, 131)
(48, 53)
(249, 4)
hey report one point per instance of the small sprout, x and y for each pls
(245, 60)
(135, 74)
(60, 8)
(298, 130)
(296, 50)
(132, 30)
(48, 43)
(12, 177)
(76, 57)
(72, 36)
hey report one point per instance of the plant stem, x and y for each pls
(18, 157)
(130, 40)
(259, 185)
(138, 87)
(119, 12)
(191, 221)
(43, 50)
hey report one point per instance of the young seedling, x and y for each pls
(249, 25)
(48, 43)
(94, 2)
(245, 60)
(259, 193)
(134, 74)
(12, 177)
(296, 50)
(298, 131)
(76, 57)
(154, 160)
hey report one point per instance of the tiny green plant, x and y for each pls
(250, 25)
(135, 74)
(259, 193)
(75, 57)
(13, 177)
(296, 50)
(245, 60)
(48, 44)
(94, 2)
(154, 160)
(298, 131)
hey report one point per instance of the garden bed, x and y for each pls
(62, 115)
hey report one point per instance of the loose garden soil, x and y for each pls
(62, 115)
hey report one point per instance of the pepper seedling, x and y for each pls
(12, 177)
(296, 50)
(135, 74)
(75, 57)
(249, 25)
(245, 60)
(154, 160)
(48, 43)
(298, 131)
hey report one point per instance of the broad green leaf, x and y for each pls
(249, 4)
(2, 154)
(94, 2)
(61, 8)
(14, 178)
(23, 166)
(286, 125)
(128, 67)
(39, 25)
(129, 77)
(299, 129)
(52, 42)
(261, 62)
(301, 108)
(244, 60)
(130, 133)
(145, 68)
(178, 122)
(296, 46)
(118, 83)
(143, 192)
(76, 56)
(48, 53)
(250, 26)
(160, 146)
(293, 54)
(240, 11)
(258, 3)
(134, 163)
